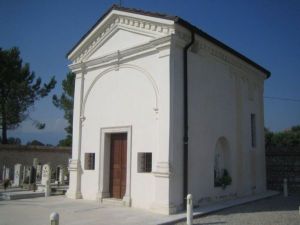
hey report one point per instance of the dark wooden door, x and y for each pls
(118, 162)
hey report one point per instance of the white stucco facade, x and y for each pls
(129, 74)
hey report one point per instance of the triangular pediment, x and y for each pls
(119, 31)
(118, 40)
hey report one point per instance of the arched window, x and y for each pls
(222, 163)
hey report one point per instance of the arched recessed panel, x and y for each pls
(143, 72)
(222, 160)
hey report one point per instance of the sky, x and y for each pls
(266, 31)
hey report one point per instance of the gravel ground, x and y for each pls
(277, 210)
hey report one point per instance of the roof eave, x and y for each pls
(90, 30)
(179, 21)
(119, 8)
(206, 36)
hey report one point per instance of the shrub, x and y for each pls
(224, 180)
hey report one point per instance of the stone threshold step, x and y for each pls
(112, 201)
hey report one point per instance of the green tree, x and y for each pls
(65, 102)
(12, 141)
(285, 140)
(19, 90)
(35, 143)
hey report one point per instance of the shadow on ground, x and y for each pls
(276, 203)
(212, 223)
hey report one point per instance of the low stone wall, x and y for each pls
(13, 154)
(283, 163)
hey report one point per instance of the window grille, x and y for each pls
(89, 161)
(253, 130)
(144, 162)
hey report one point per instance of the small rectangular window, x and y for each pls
(89, 161)
(253, 130)
(144, 162)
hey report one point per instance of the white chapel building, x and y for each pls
(162, 109)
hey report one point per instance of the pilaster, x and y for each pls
(75, 169)
(74, 190)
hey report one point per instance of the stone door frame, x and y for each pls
(104, 162)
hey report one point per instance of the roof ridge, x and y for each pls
(140, 11)
(181, 22)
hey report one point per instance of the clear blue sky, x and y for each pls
(268, 32)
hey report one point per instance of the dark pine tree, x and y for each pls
(19, 90)
(65, 102)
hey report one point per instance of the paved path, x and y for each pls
(72, 212)
(277, 210)
(272, 211)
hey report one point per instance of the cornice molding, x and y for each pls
(212, 50)
(155, 46)
(204, 47)
(163, 170)
(116, 22)
(246, 80)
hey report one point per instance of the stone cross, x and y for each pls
(46, 174)
(17, 175)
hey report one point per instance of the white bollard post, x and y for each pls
(285, 188)
(54, 218)
(189, 210)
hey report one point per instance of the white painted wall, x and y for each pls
(219, 106)
(127, 79)
(128, 96)
(176, 126)
(123, 81)
(120, 98)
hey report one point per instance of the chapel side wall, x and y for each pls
(211, 116)
(13, 154)
(220, 105)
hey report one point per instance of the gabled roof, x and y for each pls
(181, 22)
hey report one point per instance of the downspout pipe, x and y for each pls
(185, 118)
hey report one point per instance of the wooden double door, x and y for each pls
(118, 165)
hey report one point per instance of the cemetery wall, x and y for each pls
(13, 154)
(283, 163)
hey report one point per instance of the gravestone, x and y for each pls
(3, 172)
(17, 175)
(46, 174)
(62, 172)
(35, 162)
(29, 174)
(24, 174)
(56, 174)
(33, 170)
(7, 173)
(47, 188)
(38, 173)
